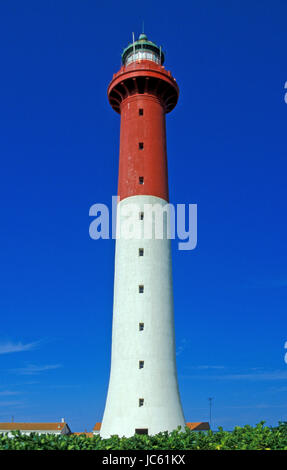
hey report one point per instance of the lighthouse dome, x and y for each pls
(142, 49)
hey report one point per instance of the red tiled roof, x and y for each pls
(32, 426)
(87, 434)
(204, 426)
(97, 427)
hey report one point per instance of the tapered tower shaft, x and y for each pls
(143, 391)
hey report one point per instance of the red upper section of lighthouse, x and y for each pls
(143, 77)
(143, 92)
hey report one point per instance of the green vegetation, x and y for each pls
(259, 437)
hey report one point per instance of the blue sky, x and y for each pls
(59, 155)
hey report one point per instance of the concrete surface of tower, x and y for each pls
(143, 395)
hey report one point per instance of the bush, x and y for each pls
(259, 437)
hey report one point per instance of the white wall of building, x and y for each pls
(26, 432)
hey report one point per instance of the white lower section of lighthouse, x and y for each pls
(143, 393)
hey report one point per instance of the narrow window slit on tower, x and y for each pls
(141, 401)
(141, 112)
(141, 145)
(141, 251)
(141, 289)
(141, 215)
(141, 180)
(141, 326)
(141, 364)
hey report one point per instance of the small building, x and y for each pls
(38, 428)
(97, 428)
(201, 426)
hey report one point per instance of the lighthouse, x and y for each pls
(143, 394)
